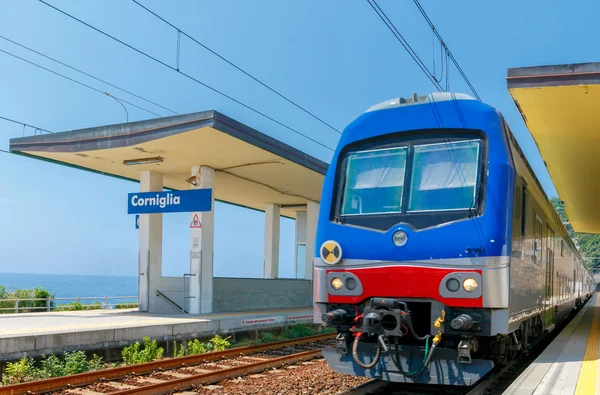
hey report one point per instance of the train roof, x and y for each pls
(434, 97)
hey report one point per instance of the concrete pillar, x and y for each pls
(312, 218)
(150, 245)
(272, 213)
(202, 240)
(300, 247)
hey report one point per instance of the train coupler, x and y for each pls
(464, 351)
(341, 344)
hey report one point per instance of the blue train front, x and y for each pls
(413, 242)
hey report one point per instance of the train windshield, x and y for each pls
(374, 182)
(444, 176)
(440, 177)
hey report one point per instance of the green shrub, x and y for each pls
(75, 362)
(267, 337)
(41, 293)
(126, 306)
(19, 372)
(130, 354)
(96, 363)
(51, 366)
(24, 305)
(178, 351)
(77, 306)
(134, 354)
(300, 330)
(220, 344)
(195, 347)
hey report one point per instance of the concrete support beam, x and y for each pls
(150, 245)
(202, 241)
(272, 218)
(312, 218)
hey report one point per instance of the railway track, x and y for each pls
(484, 387)
(228, 367)
(176, 374)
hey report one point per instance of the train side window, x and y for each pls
(562, 248)
(524, 210)
(537, 243)
(518, 203)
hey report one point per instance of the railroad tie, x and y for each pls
(120, 385)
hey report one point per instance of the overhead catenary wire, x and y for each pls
(390, 25)
(181, 32)
(25, 124)
(448, 52)
(186, 75)
(87, 74)
(78, 82)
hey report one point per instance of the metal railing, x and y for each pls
(158, 293)
(28, 305)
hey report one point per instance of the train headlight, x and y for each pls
(452, 285)
(400, 238)
(350, 283)
(337, 283)
(470, 285)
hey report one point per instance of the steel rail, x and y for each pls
(78, 380)
(366, 388)
(169, 387)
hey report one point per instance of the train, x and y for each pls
(438, 255)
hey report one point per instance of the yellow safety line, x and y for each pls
(586, 384)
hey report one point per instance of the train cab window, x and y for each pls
(444, 176)
(374, 182)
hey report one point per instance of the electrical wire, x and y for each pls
(87, 74)
(234, 66)
(78, 82)
(449, 53)
(186, 75)
(390, 25)
(25, 124)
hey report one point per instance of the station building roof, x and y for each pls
(561, 106)
(251, 168)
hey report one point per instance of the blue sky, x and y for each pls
(335, 58)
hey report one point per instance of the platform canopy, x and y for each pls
(561, 107)
(252, 169)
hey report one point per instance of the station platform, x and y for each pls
(35, 334)
(569, 365)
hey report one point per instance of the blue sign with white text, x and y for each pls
(169, 202)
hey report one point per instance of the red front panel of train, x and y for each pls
(404, 282)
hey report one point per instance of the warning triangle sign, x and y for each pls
(195, 222)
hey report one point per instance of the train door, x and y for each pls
(549, 276)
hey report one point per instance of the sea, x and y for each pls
(72, 286)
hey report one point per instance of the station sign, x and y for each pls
(170, 202)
